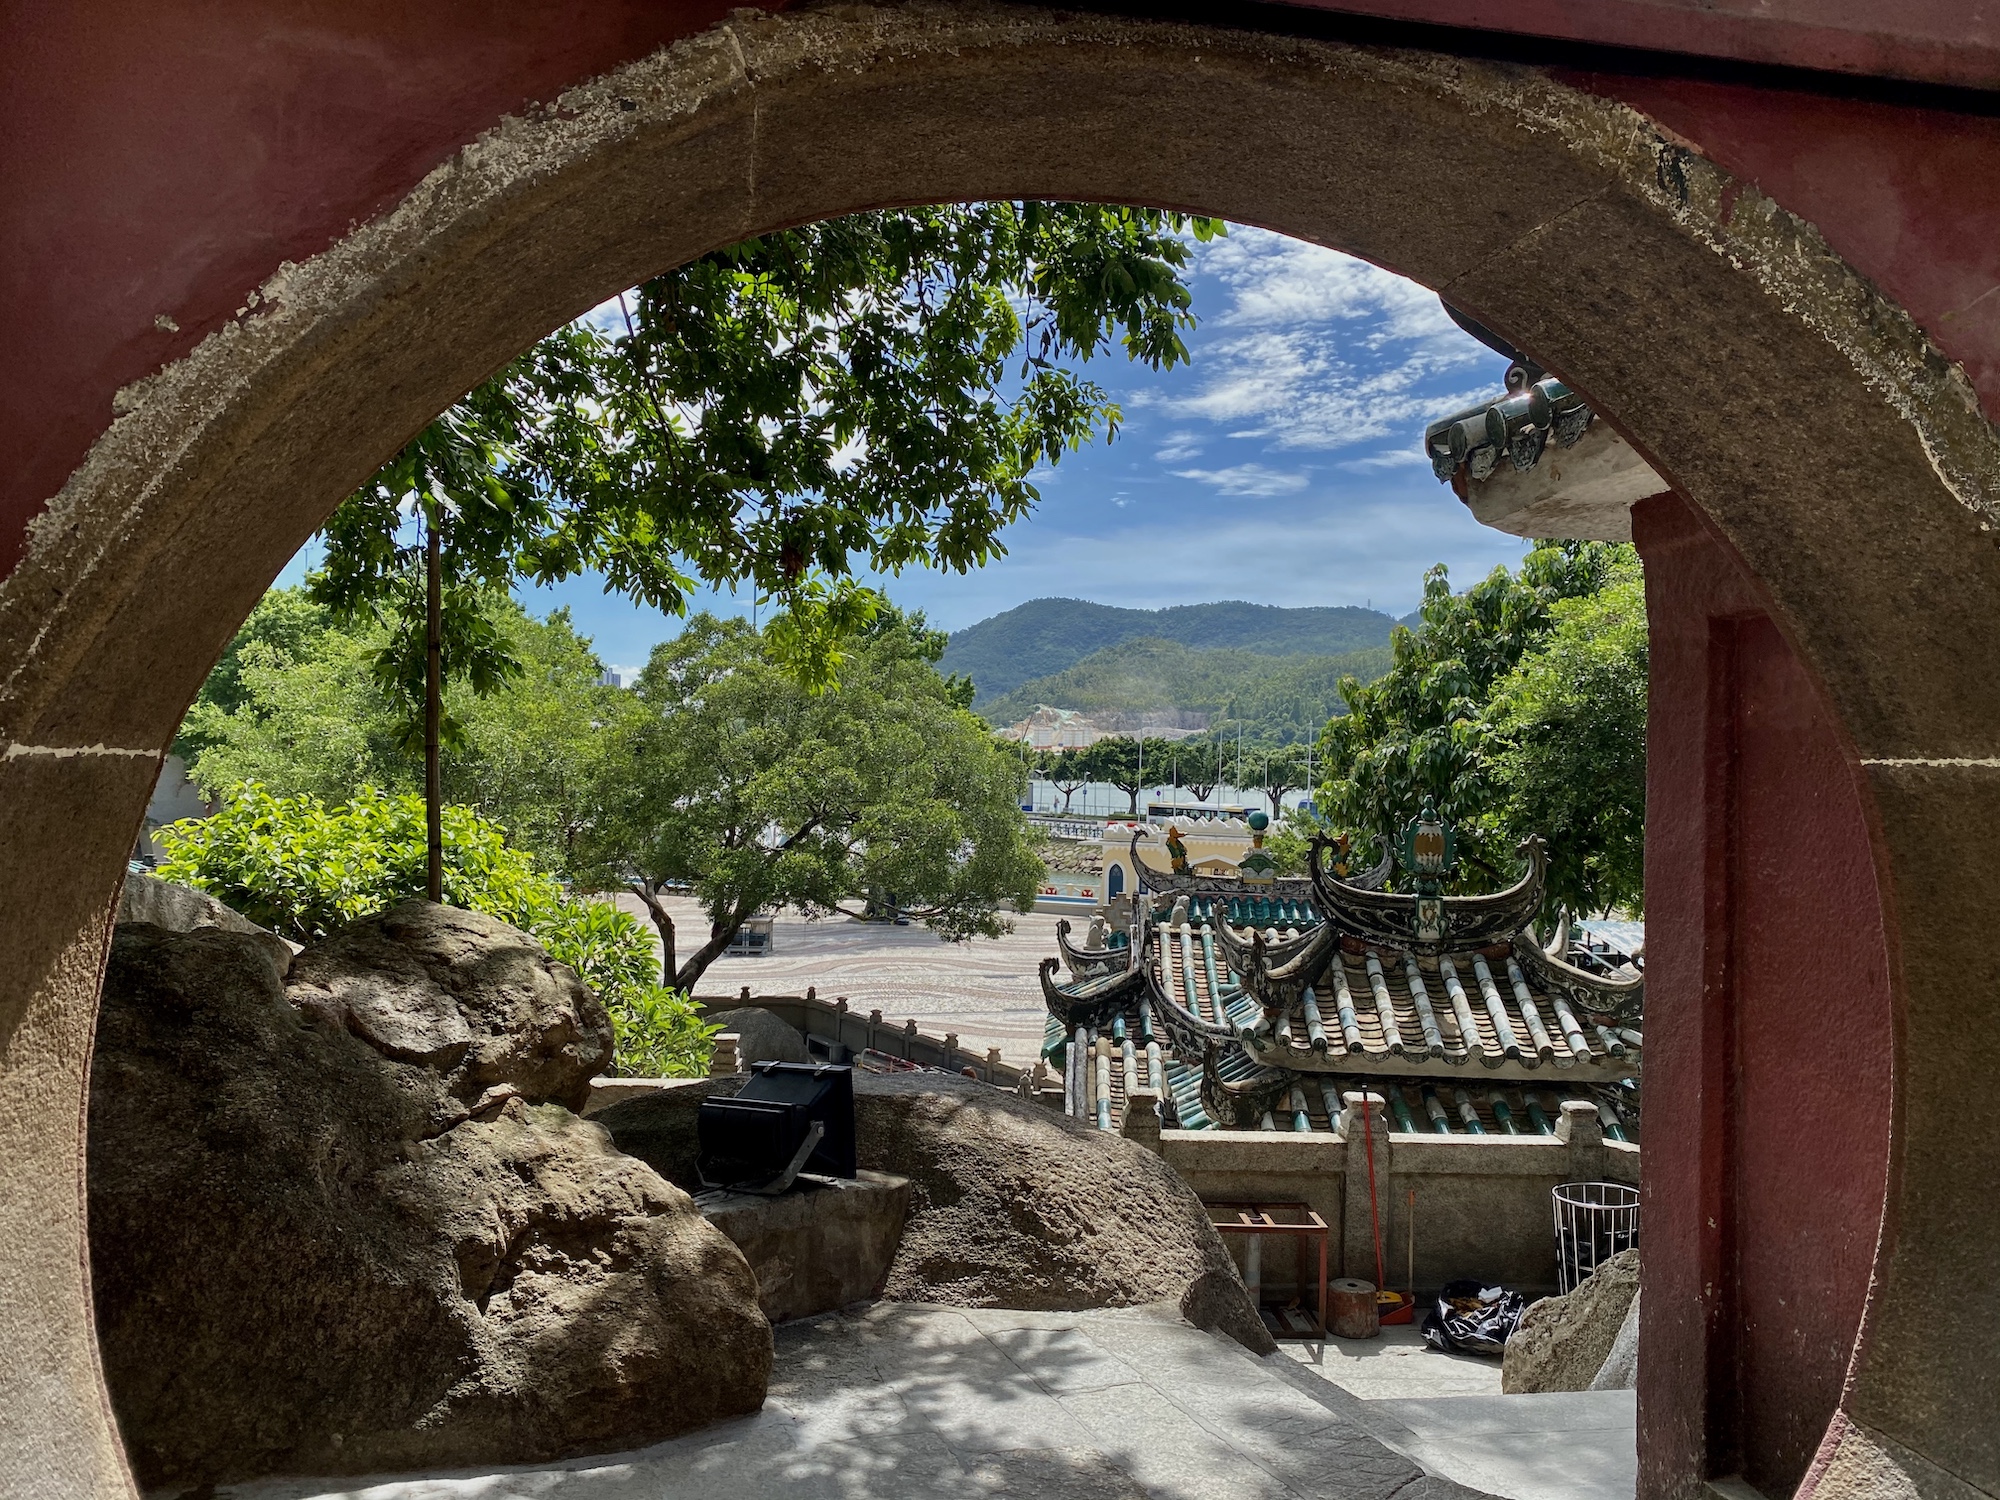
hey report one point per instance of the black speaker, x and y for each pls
(752, 1141)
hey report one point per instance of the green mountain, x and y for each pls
(1046, 636)
(1277, 700)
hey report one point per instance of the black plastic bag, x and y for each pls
(1478, 1319)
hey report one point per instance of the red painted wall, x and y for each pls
(159, 161)
(1768, 1031)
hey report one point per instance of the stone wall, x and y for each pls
(1482, 1202)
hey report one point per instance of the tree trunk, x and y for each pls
(433, 708)
(648, 892)
(697, 964)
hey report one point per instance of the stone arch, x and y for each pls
(1805, 418)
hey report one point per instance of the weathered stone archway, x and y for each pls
(1846, 464)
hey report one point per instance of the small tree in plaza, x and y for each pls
(1283, 770)
(1129, 764)
(735, 781)
(1066, 771)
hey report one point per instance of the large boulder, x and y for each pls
(761, 1036)
(1562, 1342)
(1620, 1370)
(463, 994)
(182, 908)
(1012, 1205)
(309, 1254)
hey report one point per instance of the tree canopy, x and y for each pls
(295, 705)
(875, 389)
(881, 796)
(1516, 707)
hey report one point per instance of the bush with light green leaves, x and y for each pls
(305, 869)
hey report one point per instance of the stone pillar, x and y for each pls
(724, 1060)
(992, 1064)
(1357, 1228)
(1142, 1118)
(1583, 1132)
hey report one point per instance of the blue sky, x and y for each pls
(1282, 465)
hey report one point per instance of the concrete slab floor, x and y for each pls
(1445, 1411)
(897, 1401)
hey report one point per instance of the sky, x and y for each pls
(1282, 464)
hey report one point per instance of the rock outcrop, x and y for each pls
(1563, 1341)
(761, 1036)
(355, 1229)
(182, 908)
(1012, 1205)
(464, 995)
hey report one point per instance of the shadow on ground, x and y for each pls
(897, 1401)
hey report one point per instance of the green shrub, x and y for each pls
(304, 869)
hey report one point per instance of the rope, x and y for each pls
(1368, 1145)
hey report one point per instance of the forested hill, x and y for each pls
(1277, 700)
(1046, 636)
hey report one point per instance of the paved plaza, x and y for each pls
(901, 1401)
(984, 989)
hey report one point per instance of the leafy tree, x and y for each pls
(305, 868)
(302, 712)
(1067, 773)
(883, 793)
(1129, 764)
(1198, 767)
(1567, 746)
(1421, 730)
(294, 706)
(1284, 770)
(767, 413)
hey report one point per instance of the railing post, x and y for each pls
(1142, 1118)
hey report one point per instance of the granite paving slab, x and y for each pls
(909, 1402)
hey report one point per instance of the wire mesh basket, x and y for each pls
(1594, 1221)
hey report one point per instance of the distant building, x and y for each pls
(1050, 728)
(174, 798)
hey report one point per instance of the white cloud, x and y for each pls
(1178, 448)
(1388, 458)
(1251, 480)
(1319, 350)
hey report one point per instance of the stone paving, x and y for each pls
(898, 1401)
(1446, 1412)
(984, 989)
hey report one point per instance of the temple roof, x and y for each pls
(1254, 992)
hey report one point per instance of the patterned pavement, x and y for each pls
(984, 989)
